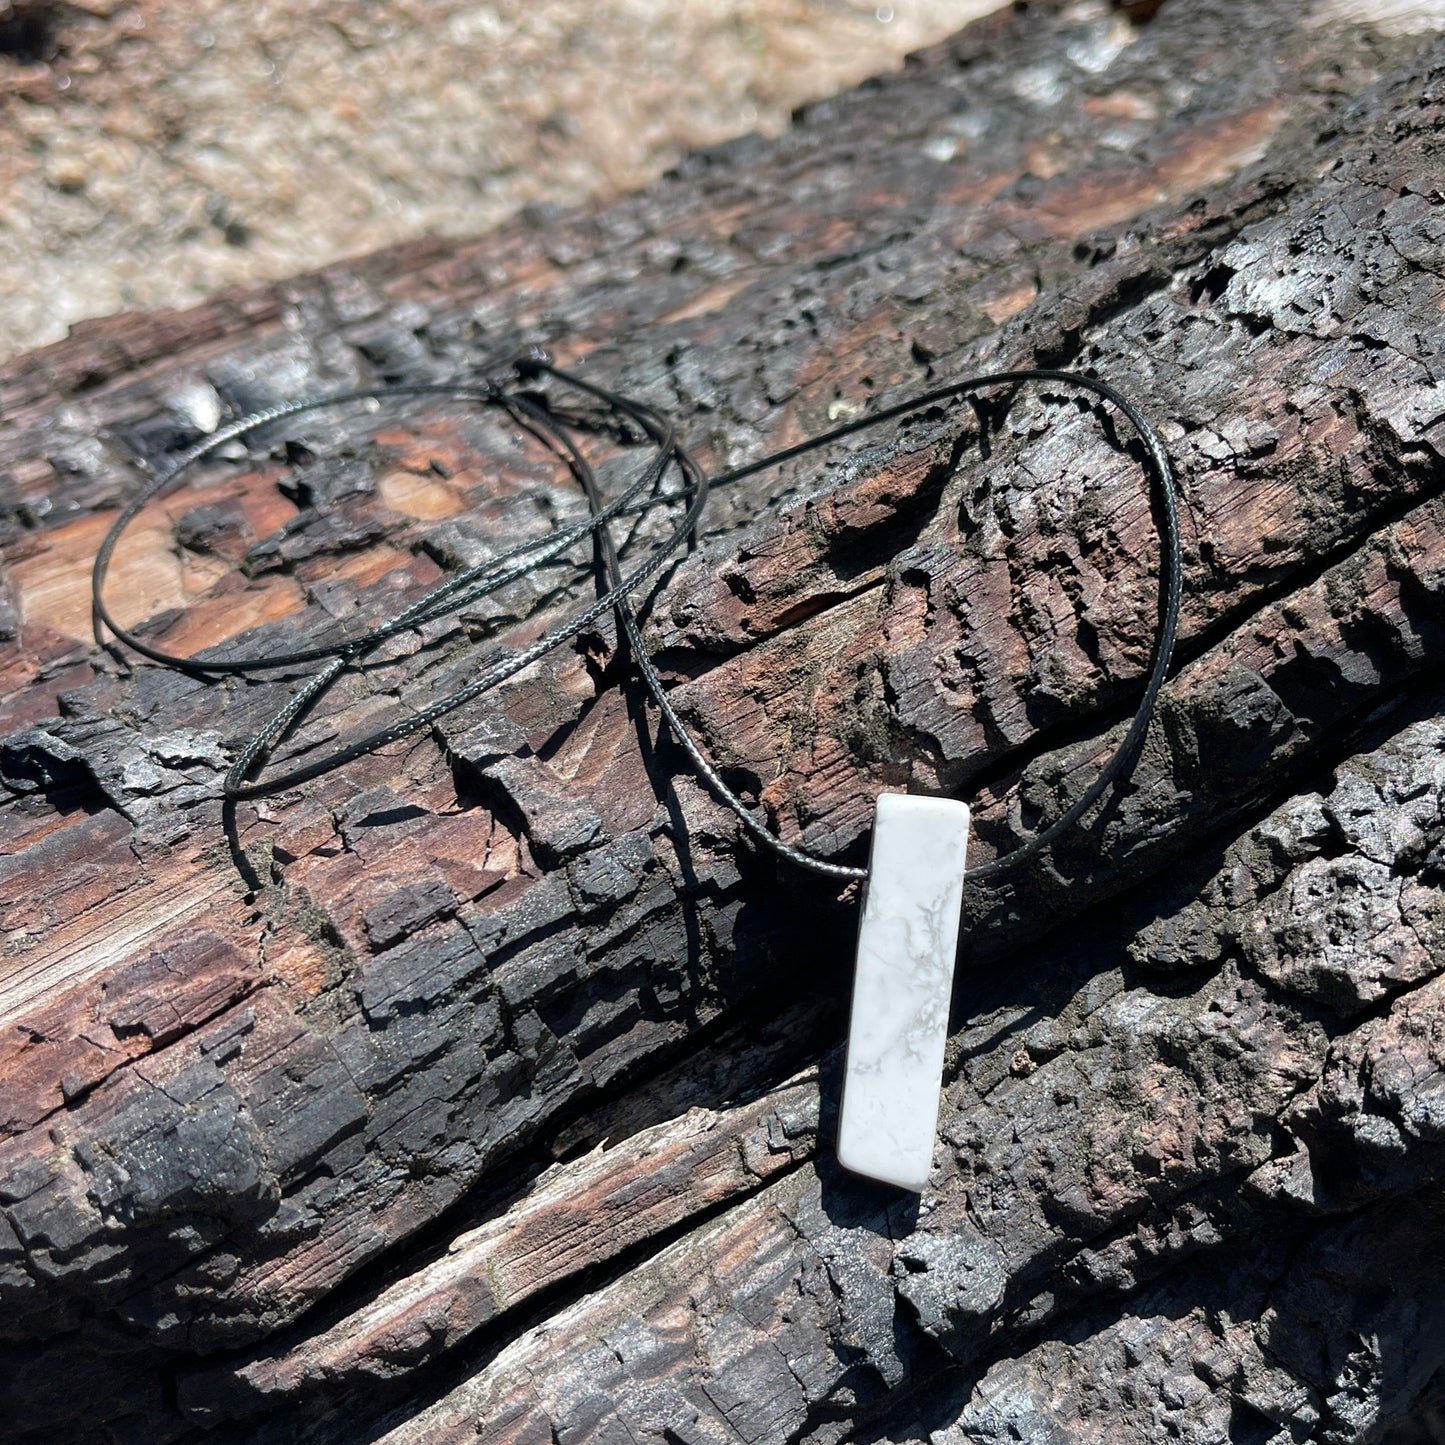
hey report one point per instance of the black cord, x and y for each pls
(456, 591)
(1171, 585)
(618, 586)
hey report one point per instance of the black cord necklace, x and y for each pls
(911, 911)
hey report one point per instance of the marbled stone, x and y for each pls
(901, 991)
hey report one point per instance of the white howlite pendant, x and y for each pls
(902, 989)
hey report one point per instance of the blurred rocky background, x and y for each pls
(153, 151)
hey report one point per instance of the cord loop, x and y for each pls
(616, 587)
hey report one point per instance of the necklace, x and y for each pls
(914, 882)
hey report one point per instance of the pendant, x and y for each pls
(902, 989)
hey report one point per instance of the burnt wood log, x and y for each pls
(484, 1088)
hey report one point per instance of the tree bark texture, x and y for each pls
(484, 1089)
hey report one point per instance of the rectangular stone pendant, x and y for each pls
(902, 989)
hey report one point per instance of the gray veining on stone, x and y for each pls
(901, 991)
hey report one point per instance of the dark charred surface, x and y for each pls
(473, 1091)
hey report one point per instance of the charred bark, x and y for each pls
(482, 1089)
